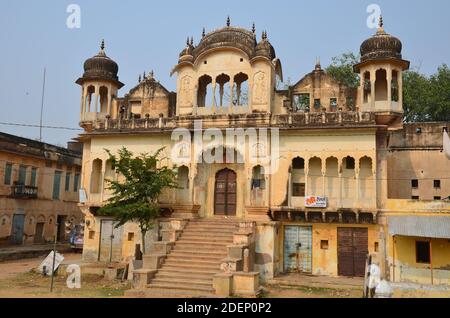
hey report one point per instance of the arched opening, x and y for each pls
(365, 173)
(394, 86)
(96, 173)
(315, 177)
(332, 178)
(380, 85)
(183, 184)
(367, 86)
(204, 90)
(348, 180)
(240, 90)
(103, 100)
(222, 95)
(298, 177)
(88, 102)
(258, 185)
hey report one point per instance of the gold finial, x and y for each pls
(228, 21)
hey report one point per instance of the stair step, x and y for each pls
(183, 281)
(182, 275)
(207, 234)
(200, 243)
(178, 260)
(181, 272)
(195, 270)
(173, 287)
(193, 266)
(193, 257)
(199, 238)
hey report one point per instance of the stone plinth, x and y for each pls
(142, 277)
(153, 261)
(223, 284)
(246, 284)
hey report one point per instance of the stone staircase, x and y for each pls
(194, 260)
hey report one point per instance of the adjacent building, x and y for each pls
(39, 186)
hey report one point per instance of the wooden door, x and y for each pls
(352, 251)
(39, 234)
(225, 193)
(110, 249)
(17, 229)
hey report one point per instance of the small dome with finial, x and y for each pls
(186, 53)
(264, 48)
(101, 66)
(381, 45)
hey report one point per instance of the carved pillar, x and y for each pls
(83, 101)
(231, 93)
(108, 108)
(306, 176)
(389, 86)
(372, 89)
(357, 183)
(400, 89)
(290, 187)
(213, 95)
(340, 182)
(96, 94)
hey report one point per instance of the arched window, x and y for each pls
(332, 177)
(240, 90)
(298, 177)
(315, 176)
(88, 102)
(204, 90)
(222, 95)
(96, 176)
(103, 100)
(367, 86)
(380, 85)
(183, 177)
(394, 86)
(258, 181)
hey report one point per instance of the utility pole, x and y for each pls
(42, 106)
(54, 256)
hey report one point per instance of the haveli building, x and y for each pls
(39, 186)
(352, 179)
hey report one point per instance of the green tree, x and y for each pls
(135, 195)
(341, 69)
(426, 98)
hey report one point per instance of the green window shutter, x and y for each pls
(22, 174)
(33, 177)
(56, 185)
(75, 182)
(8, 172)
(67, 185)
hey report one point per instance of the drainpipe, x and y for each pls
(431, 263)
(393, 258)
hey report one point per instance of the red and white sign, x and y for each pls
(315, 202)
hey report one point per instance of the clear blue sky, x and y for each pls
(145, 35)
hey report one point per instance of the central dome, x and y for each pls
(226, 37)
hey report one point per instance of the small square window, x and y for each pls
(414, 183)
(376, 247)
(130, 236)
(91, 235)
(242, 60)
(437, 184)
(298, 189)
(423, 252)
(324, 244)
(415, 197)
(333, 103)
(437, 198)
(205, 62)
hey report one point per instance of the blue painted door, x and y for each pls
(298, 249)
(17, 229)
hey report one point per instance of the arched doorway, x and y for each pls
(225, 193)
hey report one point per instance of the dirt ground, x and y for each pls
(18, 281)
(309, 292)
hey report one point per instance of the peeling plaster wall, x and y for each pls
(267, 251)
(408, 270)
